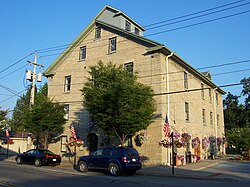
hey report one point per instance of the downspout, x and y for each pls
(167, 82)
(168, 98)
(215, 120)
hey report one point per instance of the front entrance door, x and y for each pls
(92, 142)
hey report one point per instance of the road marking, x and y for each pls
(208, 166)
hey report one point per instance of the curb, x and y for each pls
(190, 177)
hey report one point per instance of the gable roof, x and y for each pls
(49, 71)
(151, 45)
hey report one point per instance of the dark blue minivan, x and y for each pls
(116, 160)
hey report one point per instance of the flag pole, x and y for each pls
(173, 156)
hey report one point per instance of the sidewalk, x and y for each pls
(188, 171)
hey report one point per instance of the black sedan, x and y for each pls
(38, 157)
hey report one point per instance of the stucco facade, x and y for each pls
(157, 67)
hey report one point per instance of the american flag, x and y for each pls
(166, 128)
(72, 129)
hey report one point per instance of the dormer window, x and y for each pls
(127, 26)
(137, 32)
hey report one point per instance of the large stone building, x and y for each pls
(192, 102)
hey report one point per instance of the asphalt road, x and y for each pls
(13, 175)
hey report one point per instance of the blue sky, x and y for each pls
(30, 25)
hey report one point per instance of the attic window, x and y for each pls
(98, 33)
(82, 55)
(137, 31)
(127, 26)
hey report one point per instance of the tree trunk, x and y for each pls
(46, 135)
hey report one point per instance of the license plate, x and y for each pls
(54, 159)
(133, 159)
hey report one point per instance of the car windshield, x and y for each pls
(131, 152)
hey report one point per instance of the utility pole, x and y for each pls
(32, 76)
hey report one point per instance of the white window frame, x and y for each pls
(185, 80)
(203, 116)
(66, 109)
(98, 32)
(137, 31)
(127, 26)
(202, 91)
(187, 111)
(112, 45)
(129, 67)
(211, 119)
(67, 83)
(83, 53)
(64, 141)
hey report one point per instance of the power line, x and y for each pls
(199, 23)
(187, 19)
(14, 71)
(61, 47)
(10, 90)
(198, 89)
(225, 64)
(187, 15)
(18, 94)
(16, 63)
(175, 92)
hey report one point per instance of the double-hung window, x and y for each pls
(137, 32)
(210, 95)
(203, 116)
(66, 109)
(112, 45)
(127, 26)
(217, 98)
(67, 83)
(202, 91)
(98, 33)
(185, 80)
(218, 120)
(187, 111)
(211, 118)
(83, 53)
(129, 67)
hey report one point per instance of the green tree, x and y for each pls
(232, 112)
(237, 116)
(239, 137)
(44, 119)
(21, 112)
(3, 114)
(117, 102)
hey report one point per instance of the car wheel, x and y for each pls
(38, 162)
(19, 160)
(82, 166)
(114, 169)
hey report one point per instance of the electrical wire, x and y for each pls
(199, 23)
(61, 47)
(195, 17)
(13, 71)
(16, 62)
(187, 15)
